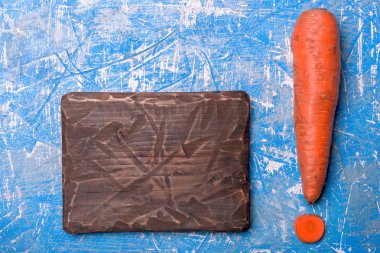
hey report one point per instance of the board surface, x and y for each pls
(155, 161)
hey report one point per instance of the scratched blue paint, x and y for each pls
(49, 48)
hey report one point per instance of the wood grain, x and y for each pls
(155, 161)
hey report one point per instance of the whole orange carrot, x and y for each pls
(316, 50)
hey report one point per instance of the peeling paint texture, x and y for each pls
(49, 48)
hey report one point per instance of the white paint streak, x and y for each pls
(375, 155)
(302, 209)
(191, 9)
(111, 21)
(285, 155)
(374, 74)
(360, 58)
(19, 215)
(348, 200)
(9, 157)
(260, 251)
(63, 31)
(267, 104)
(346, 133)
(284, 52)
(133, 80)
(176, 58)
(288, 81)
(273, 166)
(229, 241)
(344, 220)
(85, 5)
(8, 86)
(296, 189)
(201, 243)
(337, 250)
(18, 192)
(4, 108)
(207, 77)
(7, 194)
(102, 78)
(288, 52)
(283, 230)
(10, 163)
(4, 56)
(155, 244)
(12, 28)
(267, 72)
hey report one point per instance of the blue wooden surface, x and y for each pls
(49, 48)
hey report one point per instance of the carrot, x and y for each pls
(316, 51)
(309, 228)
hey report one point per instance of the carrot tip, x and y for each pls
(311, 197)
(311, 200)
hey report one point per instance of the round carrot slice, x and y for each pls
(309, 228)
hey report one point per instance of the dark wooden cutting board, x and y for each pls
(155, 161)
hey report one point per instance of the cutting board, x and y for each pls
(155, 161)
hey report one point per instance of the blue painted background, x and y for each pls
(49, 48)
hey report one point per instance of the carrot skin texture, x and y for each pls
(316, 63)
